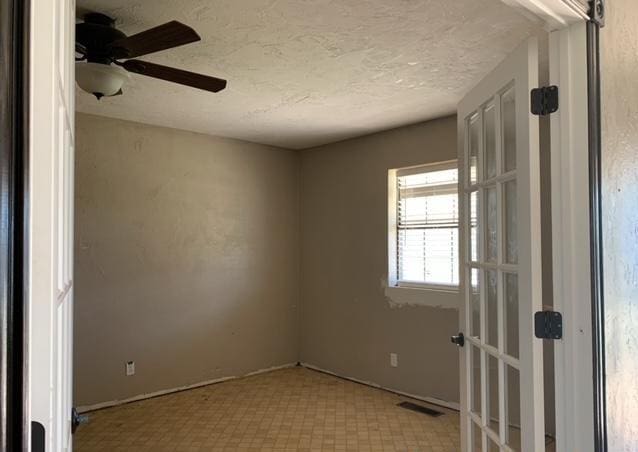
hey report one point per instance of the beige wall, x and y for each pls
(186, 258)
(195, 273)
(348, 325)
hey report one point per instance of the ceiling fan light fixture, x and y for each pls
(100, 79)
(110, 55)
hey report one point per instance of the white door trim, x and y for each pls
(570, 248)
(566, 19)
(556, 14)
(50, 260)
(41, 255)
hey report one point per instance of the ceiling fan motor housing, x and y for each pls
(95, 34)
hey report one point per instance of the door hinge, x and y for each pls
(597, 12)
(544, 100)
(38, 437)
(548, 325)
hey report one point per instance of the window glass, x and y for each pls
(428, 226)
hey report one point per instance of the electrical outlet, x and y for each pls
(394, 360)
(130, 368)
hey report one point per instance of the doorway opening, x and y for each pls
(196, 264)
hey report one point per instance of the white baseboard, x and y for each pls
(432, 400)
(98, 406)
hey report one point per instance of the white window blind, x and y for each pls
(428, 225)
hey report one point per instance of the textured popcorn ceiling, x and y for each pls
(309, 72)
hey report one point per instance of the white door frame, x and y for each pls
(50, 254)
(574, 392)
(555, 14)
(573, 360)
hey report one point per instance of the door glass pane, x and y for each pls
(473, 226)
(492, 446)
(511, 223)
(475, 300)
(477, 438)
(489, 120)
(490, 224)
(475, 383)
(513, 408)
(492, 393)
(491, 303)
(511, 314)
(474, 148)
(508, 115)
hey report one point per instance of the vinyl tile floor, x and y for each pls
(295, 409)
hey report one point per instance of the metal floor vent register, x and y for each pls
(420, 409)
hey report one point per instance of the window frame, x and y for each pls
(393, 217)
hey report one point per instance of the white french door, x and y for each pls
(501, 362)
(51, 164)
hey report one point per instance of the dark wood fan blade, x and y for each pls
(171, 34)
(170, 74)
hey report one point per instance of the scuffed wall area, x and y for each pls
(186, 258)
(619, 59)
(348, 325)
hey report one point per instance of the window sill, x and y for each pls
(425, 286)
(443, 298)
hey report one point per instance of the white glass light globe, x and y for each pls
(100, 79)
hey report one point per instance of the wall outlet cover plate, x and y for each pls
(130, 368)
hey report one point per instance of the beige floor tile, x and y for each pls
(286, 410)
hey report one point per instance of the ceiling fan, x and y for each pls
(104, 55)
